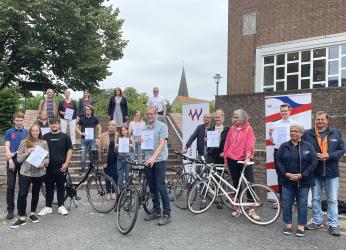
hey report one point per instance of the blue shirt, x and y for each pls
(15, 136)
(160, 132)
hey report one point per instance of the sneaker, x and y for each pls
(313, 226)
(219, 205)
(153, 216)
(203, 205)
(164, 220)
(287, 230)
(335, 231)
(300, 233)
(62, 210)
(18, 223)
(10, 215)
(33, 218)
(237, 212)
(45, 211)
(254, 215)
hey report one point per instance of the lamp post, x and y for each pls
(217, 78)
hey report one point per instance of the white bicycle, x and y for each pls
(254, 197)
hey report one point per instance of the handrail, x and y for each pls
(175, 130)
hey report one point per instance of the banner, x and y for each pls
(192, 116)
(300, 112)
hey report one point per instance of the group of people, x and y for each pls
(304, 160)
(48, 134)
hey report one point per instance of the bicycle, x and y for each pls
(253, 196)
(98, 197)
(132, 198)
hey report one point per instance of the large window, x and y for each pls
(311, 68)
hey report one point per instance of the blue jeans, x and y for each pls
(289, 195)
(112, 171)
(123, 171)
(157, 185)
(138, 152)
(88, 145)
(331, 186)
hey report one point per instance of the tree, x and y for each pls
(9, 102)
(58, 41)
(136, 101)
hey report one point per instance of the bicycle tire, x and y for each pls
(260, 202)
(128, 206)
(68, 183)
(147, 201)
(98, 197)
(170, 181)
(182, 188)
(201, 196)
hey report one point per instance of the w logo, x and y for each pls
(196, 113)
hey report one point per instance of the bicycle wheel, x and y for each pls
(147, 200)
(102, 193)
(230, 192)
(127, 210)
(181, 189)
(171, 177)
(201, 196)
(68, 183)
(255, 198)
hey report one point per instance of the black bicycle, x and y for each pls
(102, 191)
(135, 193)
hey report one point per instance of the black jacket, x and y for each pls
(62, 109)
(288, 162)
(123, 107)
(214, 153)
(336, 149)
(200, 134)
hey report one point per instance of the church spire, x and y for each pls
(183, 85)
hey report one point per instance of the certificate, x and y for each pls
(124, 145)
(68, 114)
(213, 139)
(137, 130)
(89, 134)
(280, 135)
(45, 130)
(147, 137)
(37, 156)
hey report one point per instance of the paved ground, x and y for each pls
(84, 228)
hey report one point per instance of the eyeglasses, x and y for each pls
(150, 113)
(235, 117)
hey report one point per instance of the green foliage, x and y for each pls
(9, 102)
(101, 100)
(31, 103)
(136, 101)
(212, 108)
(58, 41)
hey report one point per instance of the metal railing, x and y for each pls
(174, 128)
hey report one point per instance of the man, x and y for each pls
(13, 138)
(60, 153)
(280, 133)
(156, 160)
(201, 134)
(87, 126)
(158, 102)
(49, 104)
(329, 145)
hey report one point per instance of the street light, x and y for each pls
(217, 78)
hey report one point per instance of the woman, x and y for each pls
(30, 174)
(84, 101)
(135, 128)
(108, 157)
(117, 108)
(296, 161)
(42, 122)
(65, 119)
(240, 146)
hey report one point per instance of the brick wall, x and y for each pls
(277, 21)
(331, 100)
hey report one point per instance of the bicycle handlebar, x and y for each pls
(184, 157)
(135, 163)
(248, 164)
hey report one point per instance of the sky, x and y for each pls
(165, 35)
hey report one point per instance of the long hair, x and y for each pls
(30, 139)
(117, 88)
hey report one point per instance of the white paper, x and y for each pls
(89, 134)
(213, 139)
(280, 135)
(147, 137)
(124, 145)
(45, 130)
(137, 130)
(68, 114)
(37, 156)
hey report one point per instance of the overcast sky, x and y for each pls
(164, 35)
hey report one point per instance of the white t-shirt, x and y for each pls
(281, 132)
(156, 101)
